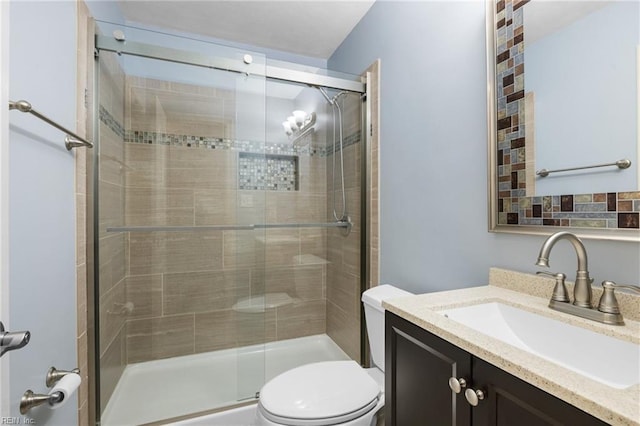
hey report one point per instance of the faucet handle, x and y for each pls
(608, 302)
(560, 293)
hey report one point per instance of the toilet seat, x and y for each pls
(324, 393)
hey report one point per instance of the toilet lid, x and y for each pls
(323, 390)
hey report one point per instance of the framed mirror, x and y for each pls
(563, 117)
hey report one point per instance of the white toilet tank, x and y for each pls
(374, 317)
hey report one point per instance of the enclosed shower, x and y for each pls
(228, 244)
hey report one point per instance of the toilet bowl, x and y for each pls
(333, 392)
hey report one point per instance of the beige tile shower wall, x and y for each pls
(343, 269)
(177, 108)
(184, 285)
(112, 262)
(343, 282)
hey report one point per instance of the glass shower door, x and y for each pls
(179, 259)
(250, 251)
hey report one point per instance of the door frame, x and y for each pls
(4, 197)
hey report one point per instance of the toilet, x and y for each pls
(333, 392)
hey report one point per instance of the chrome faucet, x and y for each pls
(582, 289)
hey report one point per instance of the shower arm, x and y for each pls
(324, 93)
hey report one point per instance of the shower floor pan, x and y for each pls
(163, 389)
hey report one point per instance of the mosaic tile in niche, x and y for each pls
(267, 172)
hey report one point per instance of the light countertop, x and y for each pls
(531, 293)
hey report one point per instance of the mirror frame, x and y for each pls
(616, 234)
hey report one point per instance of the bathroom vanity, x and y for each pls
(417, 392)
(439, 371)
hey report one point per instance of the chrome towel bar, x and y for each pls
(71, 141)
(621, 164)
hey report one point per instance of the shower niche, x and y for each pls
(221, 259)
(267, 172)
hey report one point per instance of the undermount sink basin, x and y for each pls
(611, 361)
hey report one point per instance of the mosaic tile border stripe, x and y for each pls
(206, 142)
(347, 141)
(110, 121)
(602, 210)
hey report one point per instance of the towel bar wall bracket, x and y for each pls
(71, 141)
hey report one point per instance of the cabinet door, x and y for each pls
(510, 401)
(418, 368)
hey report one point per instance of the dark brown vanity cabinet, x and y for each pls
(419, 366)
(417, 371)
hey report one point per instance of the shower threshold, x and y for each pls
(163, 389)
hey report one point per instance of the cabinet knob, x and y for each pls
(457, 385)
(474, 396)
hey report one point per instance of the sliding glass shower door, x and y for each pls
(179, 258)
(229, 223)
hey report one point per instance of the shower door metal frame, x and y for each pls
(110, 44)
(366, 133)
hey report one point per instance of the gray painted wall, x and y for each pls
(433, 153)
(42, 200)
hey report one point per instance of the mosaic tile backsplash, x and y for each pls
(602, 210)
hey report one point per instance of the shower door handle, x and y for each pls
(10, 341)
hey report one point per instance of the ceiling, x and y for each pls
(310, 27)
